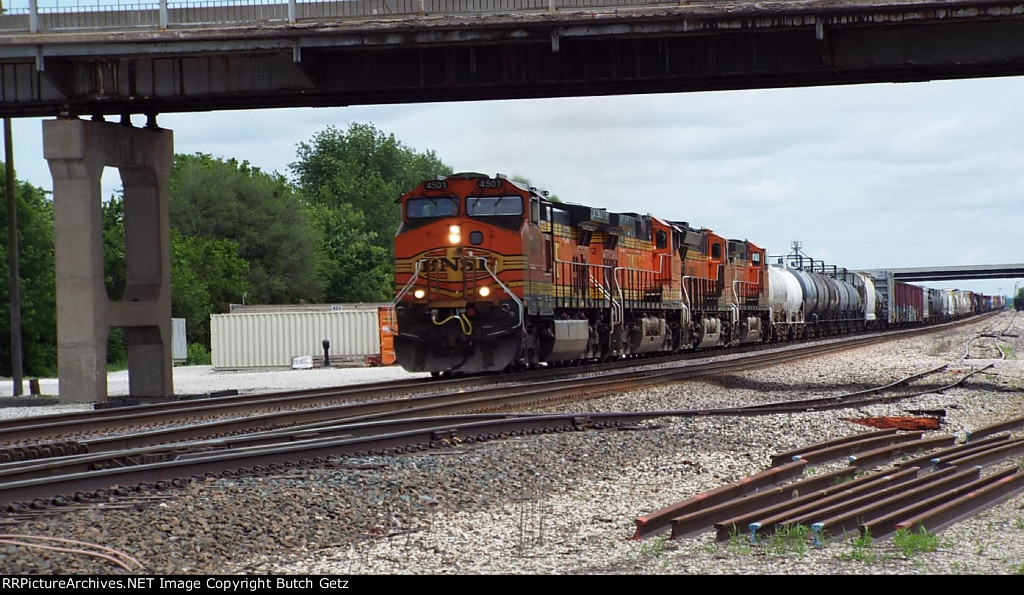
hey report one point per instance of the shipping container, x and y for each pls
(179, 341)
(273, 336)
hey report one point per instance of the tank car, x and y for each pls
(835, 300)
(785, 298)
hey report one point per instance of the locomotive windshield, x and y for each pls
(430, 208)
(486, 206)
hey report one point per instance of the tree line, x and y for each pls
(238, 235)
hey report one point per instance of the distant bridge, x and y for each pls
(960, 273)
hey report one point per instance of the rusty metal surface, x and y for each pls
(703, 520)
(1014, 423)
(660, 519)
(791, 455)
(763, 521)
(852, 448)
(876, 503)
(887, 453)
(847, 518)
(999, 489)
(985, 456)
(929, 457)
(886, 525)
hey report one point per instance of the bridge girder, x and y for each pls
(507, 56)
(959, 273)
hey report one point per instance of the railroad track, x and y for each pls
(270, 442)
(994, 341)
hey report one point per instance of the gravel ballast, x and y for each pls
(560, 503)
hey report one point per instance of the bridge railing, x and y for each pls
(56, 16)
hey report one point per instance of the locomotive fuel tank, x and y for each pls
(649, 334)
(708, 333)
(570, 340)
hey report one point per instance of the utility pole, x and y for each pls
(12, 261)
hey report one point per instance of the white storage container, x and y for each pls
(179, 342)
(274, 337)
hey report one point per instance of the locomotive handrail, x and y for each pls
(519, 303)
(686, 296)
(408, 286)
(615, 306)
(615, 275)
(586, 265)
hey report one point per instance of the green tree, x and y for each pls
(260, 214)
(207, 276)
(114, 272)
(37, 283)
(362, 272)
(359, 173)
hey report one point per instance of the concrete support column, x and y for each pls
(77, 151)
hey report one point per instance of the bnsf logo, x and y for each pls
(453, 264)
(453, 269)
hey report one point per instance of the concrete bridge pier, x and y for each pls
(77, 152)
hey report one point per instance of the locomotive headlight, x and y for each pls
(484, 291)
(419, 293)
(454, 234)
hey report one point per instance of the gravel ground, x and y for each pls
(557, 503)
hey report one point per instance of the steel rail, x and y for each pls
(874, 502)
(757, 522)
(487, 398)
(982, 492)
(846, 518)
(268, 457)
(190, 406)
(159, 444)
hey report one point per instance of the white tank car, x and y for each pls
(785, 296)
(867, 295)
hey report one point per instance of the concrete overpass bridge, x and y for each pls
(84, 64)
(177, 55)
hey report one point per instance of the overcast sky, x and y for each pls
(865, 177)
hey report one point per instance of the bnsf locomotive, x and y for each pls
(490, 275)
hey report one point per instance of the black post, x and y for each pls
(327, 354)
(12, 260)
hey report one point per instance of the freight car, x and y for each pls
(491, 275)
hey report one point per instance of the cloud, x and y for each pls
(866, 176)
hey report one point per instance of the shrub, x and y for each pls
(198, 355)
